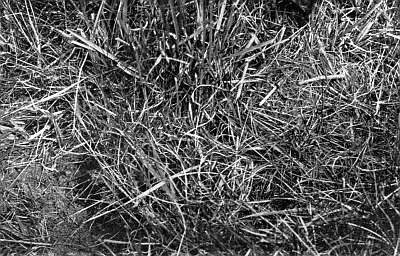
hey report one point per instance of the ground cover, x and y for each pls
(199, 128)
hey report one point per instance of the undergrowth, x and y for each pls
(199, 128)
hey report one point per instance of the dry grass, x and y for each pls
(194, 128)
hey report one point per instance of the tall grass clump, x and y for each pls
(199, 127)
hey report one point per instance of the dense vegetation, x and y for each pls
(199, 127)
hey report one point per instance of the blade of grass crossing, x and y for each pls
(174, 18)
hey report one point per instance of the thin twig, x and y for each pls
(320, 78)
